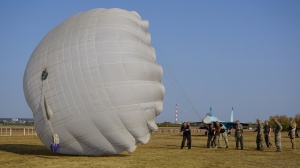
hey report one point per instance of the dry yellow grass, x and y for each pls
(163, 150)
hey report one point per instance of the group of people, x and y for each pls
(217, 131)
(264, 131)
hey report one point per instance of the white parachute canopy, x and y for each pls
(101, 87)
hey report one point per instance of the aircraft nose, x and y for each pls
(206, 120)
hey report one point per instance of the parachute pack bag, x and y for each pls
(55, 145)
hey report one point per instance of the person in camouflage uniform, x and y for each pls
(277, 133)
(260, 135)
(267, 131)
(217, 132)
(292, 132)
(239, 135)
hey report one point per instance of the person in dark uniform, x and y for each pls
(186, 134)
(189, 125)
(267, 131)
(211, 141)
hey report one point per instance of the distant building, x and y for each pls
(22, 122)
(14, 120)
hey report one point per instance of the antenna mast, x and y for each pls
(176, 115)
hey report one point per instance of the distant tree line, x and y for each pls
(284, 121)
(17, 123)
(168, 124)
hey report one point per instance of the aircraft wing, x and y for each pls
(230, 125)
(227, 125)
(203, 126)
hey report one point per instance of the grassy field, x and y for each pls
(163, 150)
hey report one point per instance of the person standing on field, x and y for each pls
(186, 135)
(292, 132)
(221, 132)
(260, 135)
(210, 136)
(267, 131)
(277, 130)
(239, 135)
(189, 125)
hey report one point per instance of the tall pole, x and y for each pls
(176, 115)
(231, 119)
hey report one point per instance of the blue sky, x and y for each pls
(223, 54)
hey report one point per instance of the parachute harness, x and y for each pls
(55, 145)
(44, 75)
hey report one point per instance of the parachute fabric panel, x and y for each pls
(104, 85)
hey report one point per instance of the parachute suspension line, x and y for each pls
(181, 94)
(174, 82)
(172, 79)
(179, 91)
(55, 145)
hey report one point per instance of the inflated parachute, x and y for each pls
(93, 84)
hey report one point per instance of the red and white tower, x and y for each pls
(176, 115)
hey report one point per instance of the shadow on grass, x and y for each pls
(25, 149)
(201, 135)
(178, 146)
(193, 135)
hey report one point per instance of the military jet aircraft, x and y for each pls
(228, 125)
